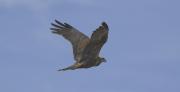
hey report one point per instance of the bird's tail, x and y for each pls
(72, 67)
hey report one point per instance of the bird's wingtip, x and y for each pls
(105, 24)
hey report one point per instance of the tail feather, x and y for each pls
(72, 67)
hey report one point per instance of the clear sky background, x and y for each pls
(142, 52)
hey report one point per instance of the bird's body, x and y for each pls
(86, 50)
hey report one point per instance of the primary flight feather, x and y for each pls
(86, 50)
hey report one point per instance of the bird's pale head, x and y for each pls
(103, 60)
(99, 60)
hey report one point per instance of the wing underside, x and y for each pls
(75, 37)
(98, 39)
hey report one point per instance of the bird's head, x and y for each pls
(99, 60)
(103, 60)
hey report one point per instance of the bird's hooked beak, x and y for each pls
(104, 60)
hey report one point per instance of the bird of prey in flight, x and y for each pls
(86, 50)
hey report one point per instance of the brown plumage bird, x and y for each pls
(86, 50)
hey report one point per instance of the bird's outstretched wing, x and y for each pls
(98, 38)
(76, 38)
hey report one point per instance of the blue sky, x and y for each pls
(143, 49)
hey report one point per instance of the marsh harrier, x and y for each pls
(86, 50)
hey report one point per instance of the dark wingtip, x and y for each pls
(55, 25)
(67, 25)
(60, 70)
(105, 25)
(58, 22)
(55, 29)
(55, 20)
